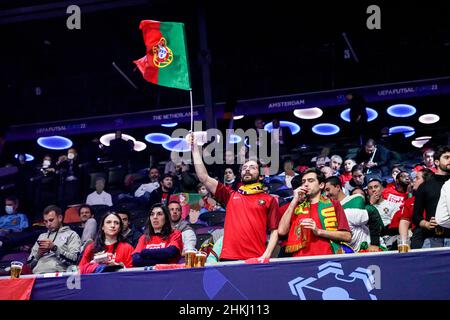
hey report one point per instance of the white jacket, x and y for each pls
(443, 207)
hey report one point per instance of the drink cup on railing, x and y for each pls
(403, 245)
(200, 259)
(16, 269)
(190, 256)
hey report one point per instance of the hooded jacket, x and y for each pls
(67, 253)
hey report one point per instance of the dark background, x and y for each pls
(258, 50)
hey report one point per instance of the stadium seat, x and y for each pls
(71, 215)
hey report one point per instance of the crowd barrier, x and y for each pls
(419, 274)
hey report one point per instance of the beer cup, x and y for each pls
(16, 269)
(200, 259)
(305, 234)
(189, 256)
(403, 245)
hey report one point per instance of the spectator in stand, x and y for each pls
(365, 226)
(396, 169)
(163, 193)
(347, 173)
(336, 163)
(427, 161)
(184, 179)
(322, 159)
(56, 249)
(110, 251)
(188, 235)
(68, 170)
(387, 211)
(230, 179)
(288, 174)
(12, 221)
(160, 244)
(44, 184)
(358, 114)
(373, 158)
(88, 226)
(358, 179)
(327, 171)
(129, 232)
(427, 198)
(145, 189)
(421, 176)
(207, 202)
(119, 150)
(11, 226)
(324, 217)
(250, 211)
(399, 192)
(99, 196)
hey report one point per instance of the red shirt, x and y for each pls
(156, 242)
(122, 254)
(408, 210)
(345, 177)
(390, 194)
(319, 245)
(247, 221)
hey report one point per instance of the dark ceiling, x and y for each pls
(52, 73)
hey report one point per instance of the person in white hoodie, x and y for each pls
(56, 249)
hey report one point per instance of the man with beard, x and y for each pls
(188, 235)
(324, 218)
(427, 198)
(398, 193)
(249, 211)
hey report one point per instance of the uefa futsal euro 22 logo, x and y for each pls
(330, 283)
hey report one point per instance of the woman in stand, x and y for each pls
(160, 244)
(109, 251)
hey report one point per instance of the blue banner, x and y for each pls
(421, 274)
(323, 99)
(333, 98)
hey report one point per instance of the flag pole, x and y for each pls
(192, 110)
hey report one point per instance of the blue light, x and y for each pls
(28, 157)
(406, 130)
(177, 144)
(169, 125)
(295, 128)
(157, 138)
(401, 110)
(55, 142)
(234, 138)
(371, 114)
(325, 129)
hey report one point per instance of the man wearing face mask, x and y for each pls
(68, 168)
(12, 221)
(44, 184)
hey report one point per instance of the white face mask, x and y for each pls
(9, 209)
(46, 163)
(70, 156)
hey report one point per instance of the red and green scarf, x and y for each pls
(328, 220)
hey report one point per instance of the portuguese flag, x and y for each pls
(165, 62)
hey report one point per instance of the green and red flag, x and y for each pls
(165, 62)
